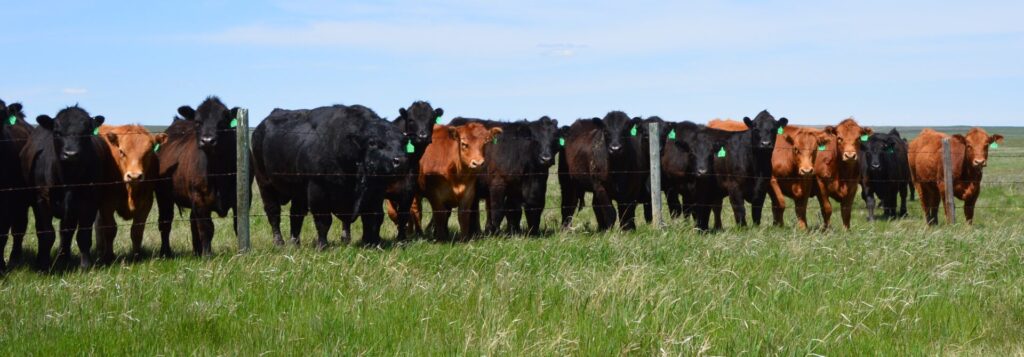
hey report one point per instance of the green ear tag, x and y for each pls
(821, 147)
(12, 120)
(672, 134)
(234, 123)
(96, 131)
(495, 140)
(156, 147)
(409, 148)
(632, 131)
(780, 131)
(437, 120)
(561, 142)
(721, 152)
(863, 138)
(993, 145)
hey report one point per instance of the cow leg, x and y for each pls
(106, 231)
(496, 206)
(533, 202)
(5, 226)
(138, 232)
(84, 238)
(846, 209)
(18, 225)
(756, 207)
(569, 201)
(439, 217)
(716, 209)
(45, 235)
(701, 216)
(801, 212)
(869, 201)
(68, 225)
(165, 215)
(969, 209)
(778, 203)
(903, 200)
(739, 210)
(603, 207)
(672, 201)
(826, 206)
(193, 223)
(272, 207)
(204, 226)
(416, 214)
(320, 207)
(627, 214)
(296, 216)
(514, 215)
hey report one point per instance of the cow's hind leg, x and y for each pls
(272, 207)
(739, 210)
(18, 225)
(165, 217)
(778, 203)
(296, 216)
(106, 231)
(45, 234)
(569, 201)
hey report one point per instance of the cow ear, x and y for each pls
(438, 112)
(160, 138)
(830, 130)
(402, 112)
(823, 139)
(15, 109)
(869, 131)
(495, 131)
(187, 112)
(233, 113)
(783, 122)
(97, 121)
(996, 138)
(598, 122)
(112, 138)
(894, 132)
(45, 121)
(750, 123)
(453, 133)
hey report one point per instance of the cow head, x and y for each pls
(417, 122)
(383, 148)
(471, 139)
(977, 142)
(804, 144)
(881, 149)
(72, 130)
(764, 129)
(847, 135)
(544, 134)
(8, 111)
(214, 122)
(703, 150)
(617, 127)
(134, 149)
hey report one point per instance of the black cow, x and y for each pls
(885, 173)
(197, 171)
(677, 179)
(15, 196)
(516, 171)
(62, 160)
(600, 157)
(330, 160)
(735, 165)
(417, 125)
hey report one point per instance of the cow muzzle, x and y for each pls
(69, 155)
(207, 142)
(806, 171)
(980, 163)
(475, 163)
(132, 177)
(849, 156)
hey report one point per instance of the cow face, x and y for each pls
(544, 135)
(616, 128)
(804, 145)
(134, 149)
(417, 122)
(383, 149)
(214, 122)
(764, 129)
(471, 139)
(881, 149)
(72, 130)
(703, 150)
(977, 143)
(847, 136)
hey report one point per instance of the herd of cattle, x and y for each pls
(347, 162)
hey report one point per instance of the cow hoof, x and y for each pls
(85, 263)
(321, 246)
(166, 253)
(278, 241)
(295, 241)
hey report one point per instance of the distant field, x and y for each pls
(883, 288)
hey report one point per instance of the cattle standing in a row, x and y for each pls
(793, 170)
(885, 174)
(417, 125)
(197, 171)
(742, 163)
(837, 169)
(328, 161)
(448, 175)
(62, 160)
(969, 157)
(131, 158)
(15, 196)
(516, 172)
(599, 157)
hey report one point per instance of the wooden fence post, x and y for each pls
(947, 177)
(242, 179)
(655, 165)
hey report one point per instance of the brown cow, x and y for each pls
(131, 159)
(448, 173)
(970, 155)
(793, 170)
(727, 125)
(838, 169)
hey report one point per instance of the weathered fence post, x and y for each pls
(655, 146)
(242, 179)
(947, 177)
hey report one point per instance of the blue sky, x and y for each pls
(912, 63)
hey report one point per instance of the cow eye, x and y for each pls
(839, 139)
(796, 150)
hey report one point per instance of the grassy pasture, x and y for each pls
(881, 288)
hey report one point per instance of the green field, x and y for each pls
(882, 288)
